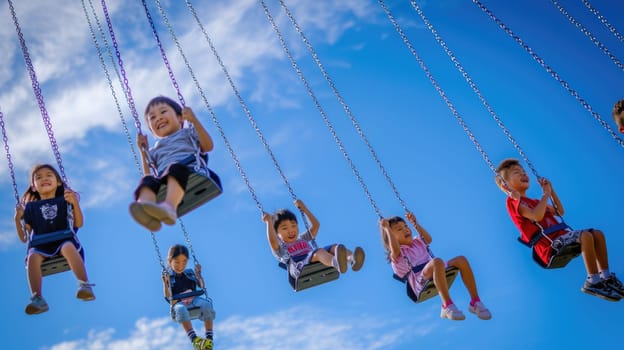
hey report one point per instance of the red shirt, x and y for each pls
(528, 228)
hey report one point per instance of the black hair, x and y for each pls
(384, 238)
(177, 250)
(166, 100)
(281, 215)
(60, 190)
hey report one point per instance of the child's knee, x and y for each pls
(597, 234)
(438, 263)
(459, 261)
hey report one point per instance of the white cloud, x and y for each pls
(301, 327)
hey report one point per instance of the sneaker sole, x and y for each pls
(84, 295)
(159, 213)
(33, 310)
(138, 213)
(485, 318)
(358, 257)
(601, 296)
(341, 255)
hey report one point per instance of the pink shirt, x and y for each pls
(417, 254)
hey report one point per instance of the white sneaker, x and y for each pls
(480, 310)
(452, 313)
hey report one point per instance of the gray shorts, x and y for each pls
(567, 238)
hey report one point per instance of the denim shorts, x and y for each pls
(207, 312)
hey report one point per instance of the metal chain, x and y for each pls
(344, 105)
(38, 94)
(474, 87)
(108, 77)
(604, 21)
(321, 110)
(551, 71)
(438, 88)
(587, 33)
(163, 54)
(127, 93)
(126, 85)
(5, 139)
(216, 122)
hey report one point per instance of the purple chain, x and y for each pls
(38, 94)
(8, 155)
(164, 55)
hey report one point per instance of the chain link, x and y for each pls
(321, 110)
(213, 116)
(587, 33)
(474, 87)
(38, 94)
(438, 88)
(604, 21)
(551, 71)
(5, 139)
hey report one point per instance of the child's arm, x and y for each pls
(537, 213)
(395, 247)
(205, 141)
(19, 214)
(270, 231)
(556, 201)
(421, 230)
(71, 198)
(314, 223)
(166, 285)
(143, 148)
(199, 277)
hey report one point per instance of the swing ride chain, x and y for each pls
(587, 33)
(604, 21)
(38, 94)
(438, 88)
(211, 111)
(5, 139)
(164, 55)
(320, 109)
(250, 117)
(551, 71)
(474, 87)
(108, 78)
(343, 103)
(126, 85)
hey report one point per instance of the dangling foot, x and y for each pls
(161, 212)
(480, 310)
(37, 305)
(85, 292)
(139, 214)
(340, 258)
(452, 313)
(615, 284)
(357, 259)
(200, 343)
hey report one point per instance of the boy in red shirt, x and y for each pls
(526, 212)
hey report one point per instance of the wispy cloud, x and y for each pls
(296, 328)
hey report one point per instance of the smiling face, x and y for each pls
(178, 264)
(288, 230)
(45, 181)
(619, 121)
(401, 232)
(163, 120)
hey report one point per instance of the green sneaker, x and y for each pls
(200, 343)
(37, 305)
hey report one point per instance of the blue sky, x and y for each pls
(436, 168)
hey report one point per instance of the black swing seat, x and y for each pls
(199, 189)
(429, 290)
(312, 275)
(57, 263)
(194, 311)
(560, 256)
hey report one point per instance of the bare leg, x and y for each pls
(324, 256)
(436, 268)
(600, 246)
(466, 273)
(175, 193)
(589, 253)
(146, 195)
(34, 273)
(74, 260)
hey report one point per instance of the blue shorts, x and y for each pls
(207, 312)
